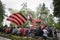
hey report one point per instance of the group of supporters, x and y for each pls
(42, 32)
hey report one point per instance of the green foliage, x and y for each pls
(1, 12)
(50, 20)
(41, 9)
(57, 25)
(24, 9)
(24, 25)
(56, 8)
(12, 25)
(35, 15)
(56, 13)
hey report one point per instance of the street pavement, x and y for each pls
(2, 38)
(58, 36)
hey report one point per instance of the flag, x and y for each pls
(17, 18)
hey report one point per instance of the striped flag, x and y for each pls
(17, 18)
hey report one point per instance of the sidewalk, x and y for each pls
(2, 38)
(58, 36)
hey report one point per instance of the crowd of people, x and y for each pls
(42, 32)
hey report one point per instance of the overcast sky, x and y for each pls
(32, 4)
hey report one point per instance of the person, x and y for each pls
(54, 33)
(31, 32)
(50, 34)
(18, 31)
(22, 31)
(39, 32)
(26, 31)
(7, 30)
(14, 31)
(45, 32)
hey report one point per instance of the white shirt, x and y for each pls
(45, 32)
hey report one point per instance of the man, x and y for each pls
(45, 33)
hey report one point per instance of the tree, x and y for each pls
(1, 12)
(24, 9)
(41, 9)
(42, 12)
(56, 4)
(56, 13)
(50, 20)
(13, 11)
(32, 13)
(57, 25)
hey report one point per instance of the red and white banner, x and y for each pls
(17, 18)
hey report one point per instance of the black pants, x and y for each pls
(44, 37)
